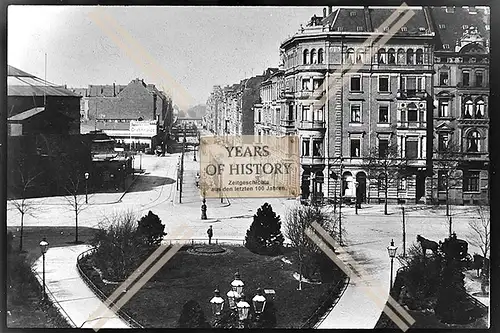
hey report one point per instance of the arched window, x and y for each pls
(473, 142)
(410, 57)
(479, 108)
(420, 56)
(320, 56)
(314, 60)
(360, 56)
(349, 57)
(401, 57)
(468, 109)
(391, 56)
(382, 56)
(306, 57)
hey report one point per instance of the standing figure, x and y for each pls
(210, 233)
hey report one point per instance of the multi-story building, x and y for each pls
(268, 113)
(347, 95)
(461, 103)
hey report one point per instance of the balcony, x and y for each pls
(309, 94)
(312, 124)
(410, 93)
(286, 93)
(287, 123)
(312, 160)
(412, 124)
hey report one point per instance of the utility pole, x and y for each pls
(340, 204)
(404, 232)
(182, 164)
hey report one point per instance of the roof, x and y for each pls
(20, 83)
(450, 25)
(26, 114)
(117, 126)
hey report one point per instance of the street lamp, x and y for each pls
(357, 196)
(44, 245)
(259, 303)
(233, 297)
(391, 249)
(124, 176)
(243, 310)
(237, 285)
(86, 186)
(217, 303)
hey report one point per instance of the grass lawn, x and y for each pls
(194, 277)
(29, 311)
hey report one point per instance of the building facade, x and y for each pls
(347, 97)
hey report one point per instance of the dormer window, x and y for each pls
(442, 26)
(446, 46)
(472, 10)
(404, 29)
(386, 28)
(421, 29)
(352, 14)
(339, 29)
(487, 27)
(465, 26)
(450, 9)
(359, 28)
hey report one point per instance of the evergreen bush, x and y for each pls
(192, 316)
(264, 235)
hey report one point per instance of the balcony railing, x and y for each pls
(410, 93)
(312, 124)
(412, 124)
(308, 94)
(287, 123)
(312, 160)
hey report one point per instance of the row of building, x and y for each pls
(54, 130)
(346, 94)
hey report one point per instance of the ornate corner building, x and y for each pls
(345, 92)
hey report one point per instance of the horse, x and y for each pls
(427, 244)
(480, 263)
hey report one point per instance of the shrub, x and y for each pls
(192, 316)
(264, 235)
(20, 279)
(151, 230)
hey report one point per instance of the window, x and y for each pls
(290, 112)
(465, 78)
(412, 114)
(314, 59)
(358, 28)
(404, 29)
(468, 109)
(411, 148)
(487, 27)
(318, 114)
(450, 9)
(443, 59)
(305, 147)
(444, 110)
(320, 56)
(306, 57)
(442, 180)
(360, 55)
(479, 79)
(465, 26)
(306, 84)
(442, 26)
(305, 112)
(317, 151)
(471, 181)
(443, 78)
(391, 56)
(352, 14)
(383, 114)
(355, 147)
(402, 184)
(317, 83)
(349, 59)
(479, 108)
(355, 113)
(383, 146)
(401, 57)
(382, 56)
(410, 57)
(420, 84)
(355, 83)
(419, 56)
(443, 141)
(446, 46)
(473, 142)
(383, 84)
(260, 116)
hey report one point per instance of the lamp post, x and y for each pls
(259, 303)
(356, 183)
(391, 249)
(44, 245)
(237, 285)
(86, 187)
(243, 309)
(217, 303)
(124, 176)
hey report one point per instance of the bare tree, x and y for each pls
(298, 219)
(479, 235)
(447, 160)
(24, 181)
(386, 166)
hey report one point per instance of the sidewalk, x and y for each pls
(67, 289)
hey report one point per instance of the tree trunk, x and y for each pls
(21, 236)
(76, 220)
(385, 193)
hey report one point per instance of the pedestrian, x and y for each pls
(210, 233)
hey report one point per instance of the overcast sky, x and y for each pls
(191, 48)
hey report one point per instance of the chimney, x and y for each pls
(114, 90)
(324, 12)
(329, 10)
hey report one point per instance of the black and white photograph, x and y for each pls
(243, 167)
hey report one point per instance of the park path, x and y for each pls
(67, 290)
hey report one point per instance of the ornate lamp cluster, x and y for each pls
(237, 301)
